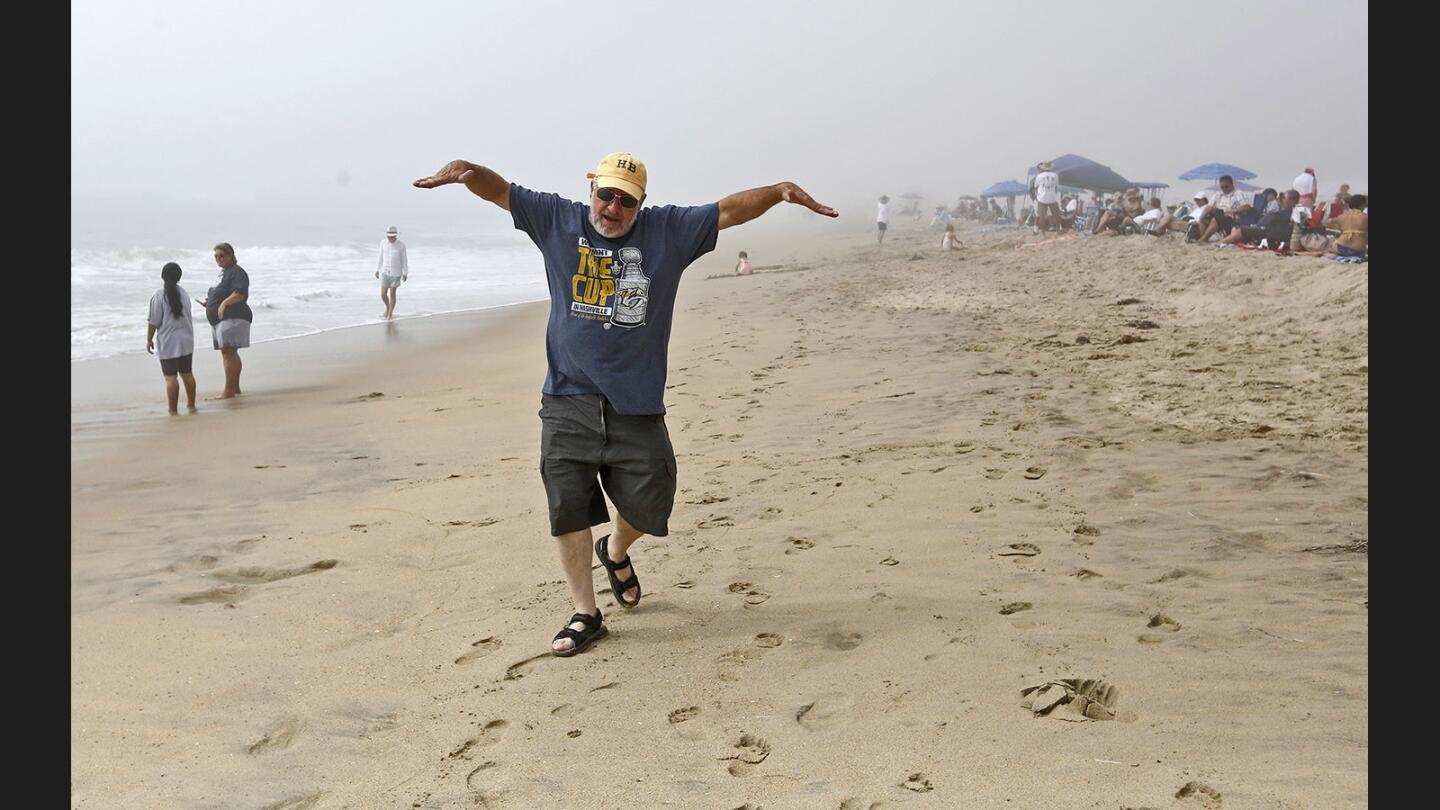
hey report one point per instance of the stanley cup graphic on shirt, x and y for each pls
(632, 291)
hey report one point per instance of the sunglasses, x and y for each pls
(608, 194)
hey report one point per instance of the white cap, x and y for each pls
(1200, 195)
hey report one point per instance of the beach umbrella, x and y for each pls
(1212, 171)
(1239, 186)
(1005, 188)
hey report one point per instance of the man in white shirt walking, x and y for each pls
(1046, 192)
(882, 219)
(394, 268)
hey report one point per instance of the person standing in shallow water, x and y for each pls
(171, 321)
(613, 269)
(229, 316)
(394, 268)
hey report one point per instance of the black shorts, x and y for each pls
(1223, 220)
(585, 445)
(176, 365)
(1251, 234)
(881, 225)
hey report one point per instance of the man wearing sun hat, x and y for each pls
(613, 268)
(393, 269)
(1046, 191)
(1198, 204)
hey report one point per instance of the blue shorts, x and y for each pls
(388, 281)
(1341, 250)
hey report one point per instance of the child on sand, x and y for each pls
(170, 319)
(949, 242)
(742, 267)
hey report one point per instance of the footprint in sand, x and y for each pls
(1019, 550)
(1085, 573)
(200, 562)
(798, 545)
(278, 737)
(750, 751)
(256, 575)
(768, 640)
(965, 447)
(681, 715)
(228, 595)
(1014, 607)
(889, 561)
(489, 735)
(1035, 473)
(843, 641)
(1171, 576)
(1205, 795)
(994, 474)
(685, 584)
(483, 647)
(1160, 622)
(470, 779)
(298, 802)
(917, 782)
(753, 596)
(520, 669)
(860, 804)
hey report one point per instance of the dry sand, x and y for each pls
(909, 490)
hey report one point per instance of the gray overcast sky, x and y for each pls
(335, 107)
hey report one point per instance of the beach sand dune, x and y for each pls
(912, 485)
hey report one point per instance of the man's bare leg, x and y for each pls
(576, 551)
(385, 299)
(189, 380)
(619, 545)
(230, 357)
(172, 393)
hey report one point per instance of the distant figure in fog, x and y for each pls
(742, 267)
(393, 269)
(170, 321)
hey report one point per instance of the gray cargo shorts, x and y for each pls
(231, 333)
(586, 446)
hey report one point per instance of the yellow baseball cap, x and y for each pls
(622, 171)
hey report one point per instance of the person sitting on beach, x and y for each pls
(393, 269)
(602, 407)
(1069, 212)
(1273, 227)
(1150, 219)
(1183, 216)
(1341, 202)
(170, 319)
(882, 219)
(229, 316)
(742, 267)
(949, 241)
(1265, 202)
(1354, 225)
(1219, 218)
(1121, 213)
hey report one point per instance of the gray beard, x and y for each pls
(606, 230)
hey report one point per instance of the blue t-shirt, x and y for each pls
(611, 302)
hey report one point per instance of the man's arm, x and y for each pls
(481, 181)
(743, 206)
(233, 298)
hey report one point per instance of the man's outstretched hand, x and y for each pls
(791, 193)
(456, 171)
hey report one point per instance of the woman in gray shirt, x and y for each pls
(170, 322)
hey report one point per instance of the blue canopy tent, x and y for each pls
(1085, 173)
(1213, 171)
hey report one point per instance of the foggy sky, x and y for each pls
(329, 109)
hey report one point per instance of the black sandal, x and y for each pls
(617, 585)
(594, 630)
